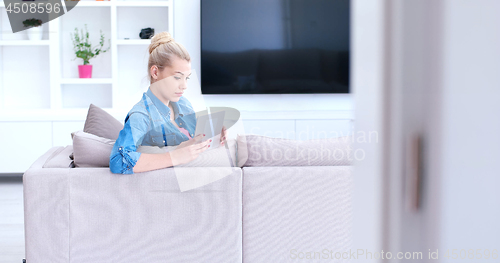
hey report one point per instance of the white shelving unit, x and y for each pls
(23, 43)
(118, 74)
(41, 93)
(87, 81)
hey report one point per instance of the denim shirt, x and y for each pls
(148, 123)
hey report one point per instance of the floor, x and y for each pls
(11, 219)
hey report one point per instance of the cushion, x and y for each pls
(60, 158)
(90, 150)
(102, 124)
(258, 150)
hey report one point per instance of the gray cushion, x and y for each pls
(258, 150)
(90, 150)
(101, 123)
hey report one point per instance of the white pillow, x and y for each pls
(91, 150)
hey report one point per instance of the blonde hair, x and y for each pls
(161, 50)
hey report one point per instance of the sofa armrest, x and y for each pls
(46, 156)
(93, 215)
(46, 212)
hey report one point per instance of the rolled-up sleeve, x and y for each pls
(124, 155)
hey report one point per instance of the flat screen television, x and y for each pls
(275, 46)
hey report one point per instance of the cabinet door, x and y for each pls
(22, 143)
(321, 129)
(62, 131)
(272, 128)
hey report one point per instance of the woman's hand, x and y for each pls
(195, 139)
(188, 152)
(223, 135)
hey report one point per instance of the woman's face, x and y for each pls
(169, 83)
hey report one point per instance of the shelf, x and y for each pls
(81, 96)
(297, 115)
(116, 3)
(142, 3)
(133, 41)
(80, 114)
(93, 3)
(24, 42)
(123, 3)
(87, 81)
(146, 16)
(75, 114)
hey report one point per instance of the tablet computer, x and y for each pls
(210, 125)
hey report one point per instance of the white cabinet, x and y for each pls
(24, 77)
(22, 143)
(272, 128)
(320, 129)
(61, 131)
(300, 129)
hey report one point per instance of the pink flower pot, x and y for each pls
(85, 71)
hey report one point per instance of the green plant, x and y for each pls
(32, 22)
(83, 47)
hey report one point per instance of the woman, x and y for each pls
(163, 117)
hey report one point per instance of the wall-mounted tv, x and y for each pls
(275, 46)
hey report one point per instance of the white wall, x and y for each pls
(442, 84)
(471, 126)
(367, 81)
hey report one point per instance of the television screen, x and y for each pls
(275, 46)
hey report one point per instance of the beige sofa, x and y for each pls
(268, 209)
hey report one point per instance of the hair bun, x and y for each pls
(159, 39)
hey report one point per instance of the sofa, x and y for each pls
(282, 200)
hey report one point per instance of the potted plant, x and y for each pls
(34, 30)
(84, 50)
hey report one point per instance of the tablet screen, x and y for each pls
(211, 126)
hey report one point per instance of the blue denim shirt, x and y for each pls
(148, 123)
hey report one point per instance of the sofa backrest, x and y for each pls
(257, 150)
